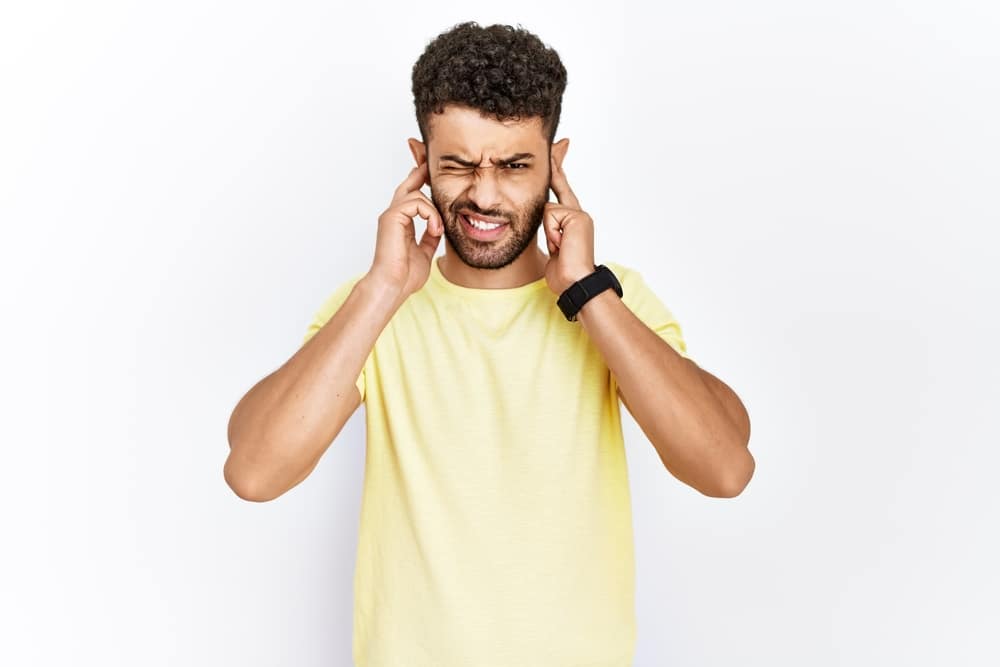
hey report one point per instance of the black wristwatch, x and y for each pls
(586, 288)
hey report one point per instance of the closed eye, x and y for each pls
(513, 166)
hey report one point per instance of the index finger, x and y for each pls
(413, 181)
(560, 186)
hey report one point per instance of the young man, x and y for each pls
(496, 525)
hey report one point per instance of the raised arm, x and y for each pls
(283, 425)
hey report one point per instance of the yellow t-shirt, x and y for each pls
(496, 525)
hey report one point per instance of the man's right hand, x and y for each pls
(400, 262)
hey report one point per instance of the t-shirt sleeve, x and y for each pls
(647, 306)
(327, 310)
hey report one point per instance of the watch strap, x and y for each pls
(576, 295)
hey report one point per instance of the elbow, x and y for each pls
(244, 486)
(736, 479)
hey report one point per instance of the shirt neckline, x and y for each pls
(483, 293)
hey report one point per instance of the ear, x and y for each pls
(418, 149)
(559, 149)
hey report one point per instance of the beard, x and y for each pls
(521, 232)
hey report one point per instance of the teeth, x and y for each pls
(478, 224)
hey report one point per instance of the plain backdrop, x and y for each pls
(811, 188)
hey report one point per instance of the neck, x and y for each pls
(527, 268)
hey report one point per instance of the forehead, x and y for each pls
(466, 131)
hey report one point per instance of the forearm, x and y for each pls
(281, 427)
(697, 435)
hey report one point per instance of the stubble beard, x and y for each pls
(522, 231)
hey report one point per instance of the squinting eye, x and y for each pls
(517, 164)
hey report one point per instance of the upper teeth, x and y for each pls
(479, 224)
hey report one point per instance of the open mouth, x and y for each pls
(484, 231)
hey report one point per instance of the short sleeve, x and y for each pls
(327, 310)
(648, 307)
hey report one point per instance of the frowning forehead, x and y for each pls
(467, 137)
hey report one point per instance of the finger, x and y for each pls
(548, 242)
(414, 206)
(436, 221)
(413, 182)
(429, 242)
(552, 221)
(560, 186)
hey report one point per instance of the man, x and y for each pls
(496, 525)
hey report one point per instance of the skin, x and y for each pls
(517, 191)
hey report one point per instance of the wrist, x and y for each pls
(574, 275)
(583, 290)
(381, 292)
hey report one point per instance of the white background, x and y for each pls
(812, 188)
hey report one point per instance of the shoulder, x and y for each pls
(630, 278)
(334, 299)
(619, 269)
(340, 291)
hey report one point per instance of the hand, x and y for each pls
(569, 232)
(399, 261)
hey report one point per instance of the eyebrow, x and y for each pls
(468, 163)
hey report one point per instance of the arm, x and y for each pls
(283, 425)
(698, 426)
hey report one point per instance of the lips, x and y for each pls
(484, 218)
(481, 234)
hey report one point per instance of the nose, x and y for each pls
(485, 190)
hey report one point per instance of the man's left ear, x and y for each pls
(559, 149)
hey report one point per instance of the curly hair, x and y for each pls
(504, 72)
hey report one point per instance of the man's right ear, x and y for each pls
(418, 149)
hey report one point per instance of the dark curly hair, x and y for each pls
(505, 72)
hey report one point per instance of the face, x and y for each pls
(500, 171)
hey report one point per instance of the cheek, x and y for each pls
(532, 186)
(524, 189)
(441, 199)
(444, 190)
